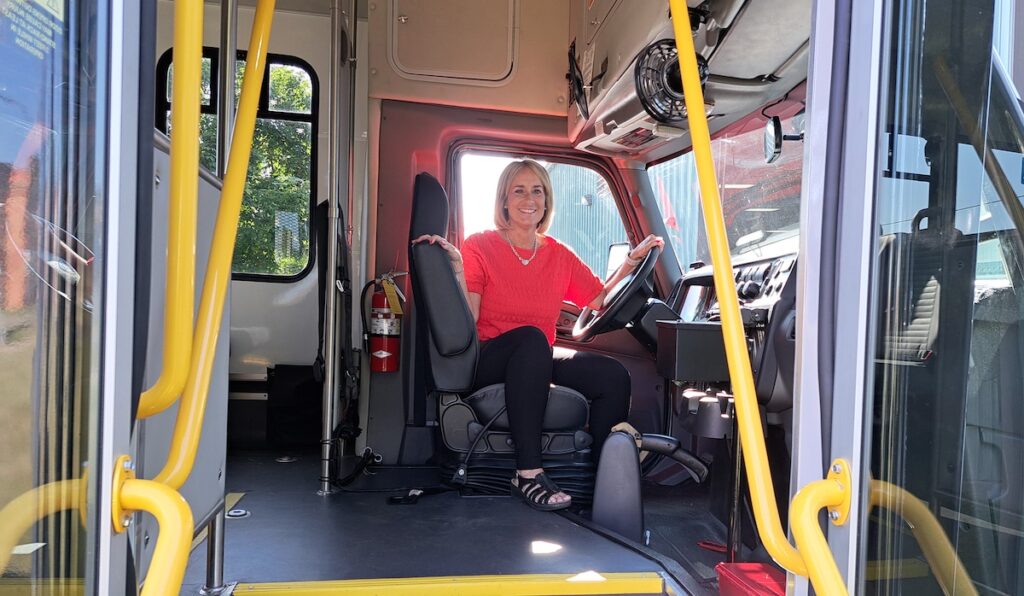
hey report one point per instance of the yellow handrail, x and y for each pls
(188, 426)
(833, 492)
(25, 510)
(938, 551)
(755, 455)
(179, 294)
(172, 513)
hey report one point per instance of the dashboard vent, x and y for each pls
(659, 84)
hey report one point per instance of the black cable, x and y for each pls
(772, 105)
(362, 308)
(364, 461)
(462, 471)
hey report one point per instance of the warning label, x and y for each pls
(35, 31)
(54, 7)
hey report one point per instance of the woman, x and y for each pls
(515, 279)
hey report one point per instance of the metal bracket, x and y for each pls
(839, 472)
(124, 469)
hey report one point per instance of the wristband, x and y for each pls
(632, 262)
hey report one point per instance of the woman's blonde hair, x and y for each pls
(501, 220)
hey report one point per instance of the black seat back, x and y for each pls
(450, 330)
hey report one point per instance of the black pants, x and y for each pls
(523, 360)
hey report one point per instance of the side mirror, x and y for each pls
(772, 139)
(617, 253)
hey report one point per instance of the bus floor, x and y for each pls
(292, 534)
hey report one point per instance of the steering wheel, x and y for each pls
(591, 323)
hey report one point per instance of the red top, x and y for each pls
(513, 295)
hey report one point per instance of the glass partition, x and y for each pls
(52, 213)
(947, 430)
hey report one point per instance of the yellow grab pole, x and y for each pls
(755, 455)
(179, 294)
(18, 516)
(938, 551)
(172, 513)
(188, 426)
(833, 492)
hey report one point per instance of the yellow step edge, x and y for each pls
(588, 582)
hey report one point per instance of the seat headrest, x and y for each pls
(429, 208)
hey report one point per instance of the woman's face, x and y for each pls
(525, 200)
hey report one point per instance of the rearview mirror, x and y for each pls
(772, 139)
(617, 253)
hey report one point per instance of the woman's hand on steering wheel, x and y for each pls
(591, 322)
(646, 245)
(453, 253)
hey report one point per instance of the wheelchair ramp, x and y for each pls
(296, 541)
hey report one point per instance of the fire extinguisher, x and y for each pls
(385, 324)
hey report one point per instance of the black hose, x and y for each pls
(362, 309)
(462, 472)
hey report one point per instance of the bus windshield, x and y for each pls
(760, 201)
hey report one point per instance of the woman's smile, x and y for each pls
(525, 200)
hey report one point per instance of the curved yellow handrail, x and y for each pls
(938, 551)
(172, 513)
(188, 426)
(833, 492)
(179, 294)
(18, 516)
(755, 455)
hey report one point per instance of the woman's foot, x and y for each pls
(539, 491)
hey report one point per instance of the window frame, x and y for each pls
(163, 105)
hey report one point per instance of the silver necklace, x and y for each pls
(525, 262)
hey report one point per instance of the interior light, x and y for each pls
(540, 547)
(693, 393)
(738, 187)
(587, 576)
(762, 209)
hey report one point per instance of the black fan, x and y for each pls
(576, 92)
(659, 83)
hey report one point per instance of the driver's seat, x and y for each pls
(476, 421)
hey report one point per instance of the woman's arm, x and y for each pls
(633, 259)
(457, 266)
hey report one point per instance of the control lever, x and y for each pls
(667, 446)
(670, 447)
(618, 504)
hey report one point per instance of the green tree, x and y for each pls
(273, 227)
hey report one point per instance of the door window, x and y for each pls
(947, 429)
(52, 262)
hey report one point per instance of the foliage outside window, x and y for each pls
(274, 226)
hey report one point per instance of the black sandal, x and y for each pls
(537, 492)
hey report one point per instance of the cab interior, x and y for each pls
(368, 96)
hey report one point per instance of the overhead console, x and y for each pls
(625, 88)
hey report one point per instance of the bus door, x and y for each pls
(922, 277)
(68, 200)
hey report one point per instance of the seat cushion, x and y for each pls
(566, 410)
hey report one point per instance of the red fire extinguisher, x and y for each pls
(385, 325)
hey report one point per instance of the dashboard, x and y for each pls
(767, 297)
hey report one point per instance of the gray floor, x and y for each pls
(293, 534)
